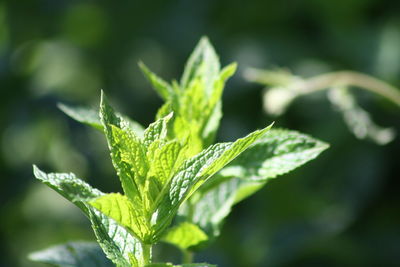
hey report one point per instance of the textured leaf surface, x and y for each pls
(196, 100)
(195, 171)
(157, 130)
(123, 211)
(278, 152)
(73, 254)
(115, 241)
(123, 145)
(203, 62)
(185, 235)
(69, 186)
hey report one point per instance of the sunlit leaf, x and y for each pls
(185, 235)
(115, 241)
(195, 171)
(127, 213)
(276, 153)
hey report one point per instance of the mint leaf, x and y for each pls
(214, 203)
(82, 114)
(196, 170)
(121, 143)
(185, 235)
(196, 101)
(211, 126)
(127, 213)
(91, 117)
(203, 62)
(161, 86)
(69, 186)
(118, 244)
(72, 254)
(157, 130)
(115, 241)
(165, 160)
(278, 152)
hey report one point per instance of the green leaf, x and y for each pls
(161, 86)
(129, 158)
(277, 153)
(203, 62)
(214, 203)
(115, 241)
(91, 117)
(118, 244)
(185, 235)
(127, 213)
(164, 161)
(123, 145)
(69, 186)
(157, 130)
(196, 170)
(72, 254)
(214, 115)
(82, 114)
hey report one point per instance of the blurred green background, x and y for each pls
(339, 210)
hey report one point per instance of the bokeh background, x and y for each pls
(340, 210)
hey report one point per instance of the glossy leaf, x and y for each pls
(277, 153)
(115, 241)
(124, 212)
(185, 235)
(195, 171)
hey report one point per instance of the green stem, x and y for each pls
(187, 256)
(146, 253)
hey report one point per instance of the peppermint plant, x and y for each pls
(178, 184)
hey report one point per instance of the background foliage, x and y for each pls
(339, 210)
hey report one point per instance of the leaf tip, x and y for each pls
(62, 107)
(39, 174)
(205, 40)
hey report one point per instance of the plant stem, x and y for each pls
(146, 253)
(351, 78)
(187, 256)
(328, 80)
